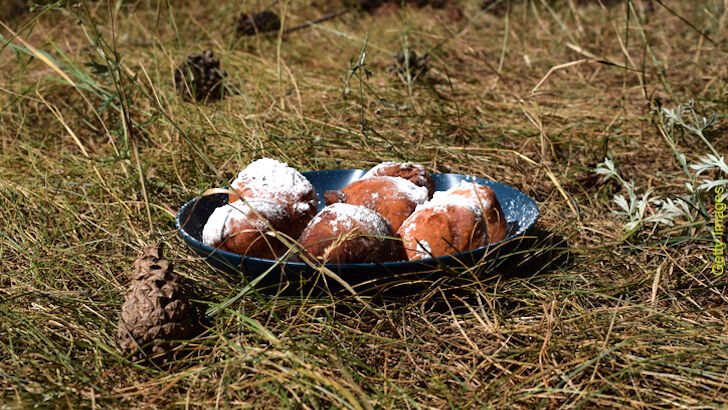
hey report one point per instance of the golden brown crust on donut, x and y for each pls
(269, 179)
(442, 230)
(487, 201)
(332, 197)
(250, 240)
(380, 194)
(239, 229)
(298, 217)
(415, 173)
(342, 234)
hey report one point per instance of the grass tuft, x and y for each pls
(98, 153)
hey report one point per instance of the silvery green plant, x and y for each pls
(709, 163)
(635, 210)
(648, 209)
(695, 123)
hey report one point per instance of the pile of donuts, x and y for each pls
(392, 213)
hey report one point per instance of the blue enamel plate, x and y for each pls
(285, 276)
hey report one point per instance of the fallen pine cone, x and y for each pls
(496, 8)
(435, 4)
(199, 77)
(418, 65)
(263, 22)
(372, 5)
(13, 9)
(155, 310)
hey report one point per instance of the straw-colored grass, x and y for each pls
(98, 153)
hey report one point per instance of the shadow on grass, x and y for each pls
(539, 253)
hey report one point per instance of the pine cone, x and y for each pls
(199, 77)
(418, 65)
(499, 9)
(369, 5)
(263, 22)
(12, 9)
(435, 4)
(155, 310)
(372, 5)
(152, 262)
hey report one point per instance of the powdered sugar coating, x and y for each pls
(441, 229)
(416, 194)
(442, 201)
(347, 216)
(268, 178)
(386, 164)
(218, 225)
(269, 175)
(407, 226)
(526, 215)
(479, 198)
(393, 197)
(346, 233)
(410, 171)
(451, 196)
(424, 250)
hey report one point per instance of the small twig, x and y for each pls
(271, 33)
(307, 24)
(702, 33)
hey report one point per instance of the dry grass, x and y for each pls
(98, 153)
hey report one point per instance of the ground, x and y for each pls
(99, 152)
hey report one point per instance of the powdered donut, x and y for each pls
(269, 179)
(415, 173)
(438, 230)
(236, 228)
(343, 233)
(394, 198)
(484, 198)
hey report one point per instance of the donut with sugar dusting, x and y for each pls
(269, 179)
(435, 230)
(394, 198)
(245, 228)
(413, 172)
(484, 197)
(343, 233)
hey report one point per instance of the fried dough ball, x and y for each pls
(243, 228)
(343, 233)
(439, 230)
(394, 198)
(415, 173)
(485, 199)
(269, 179)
